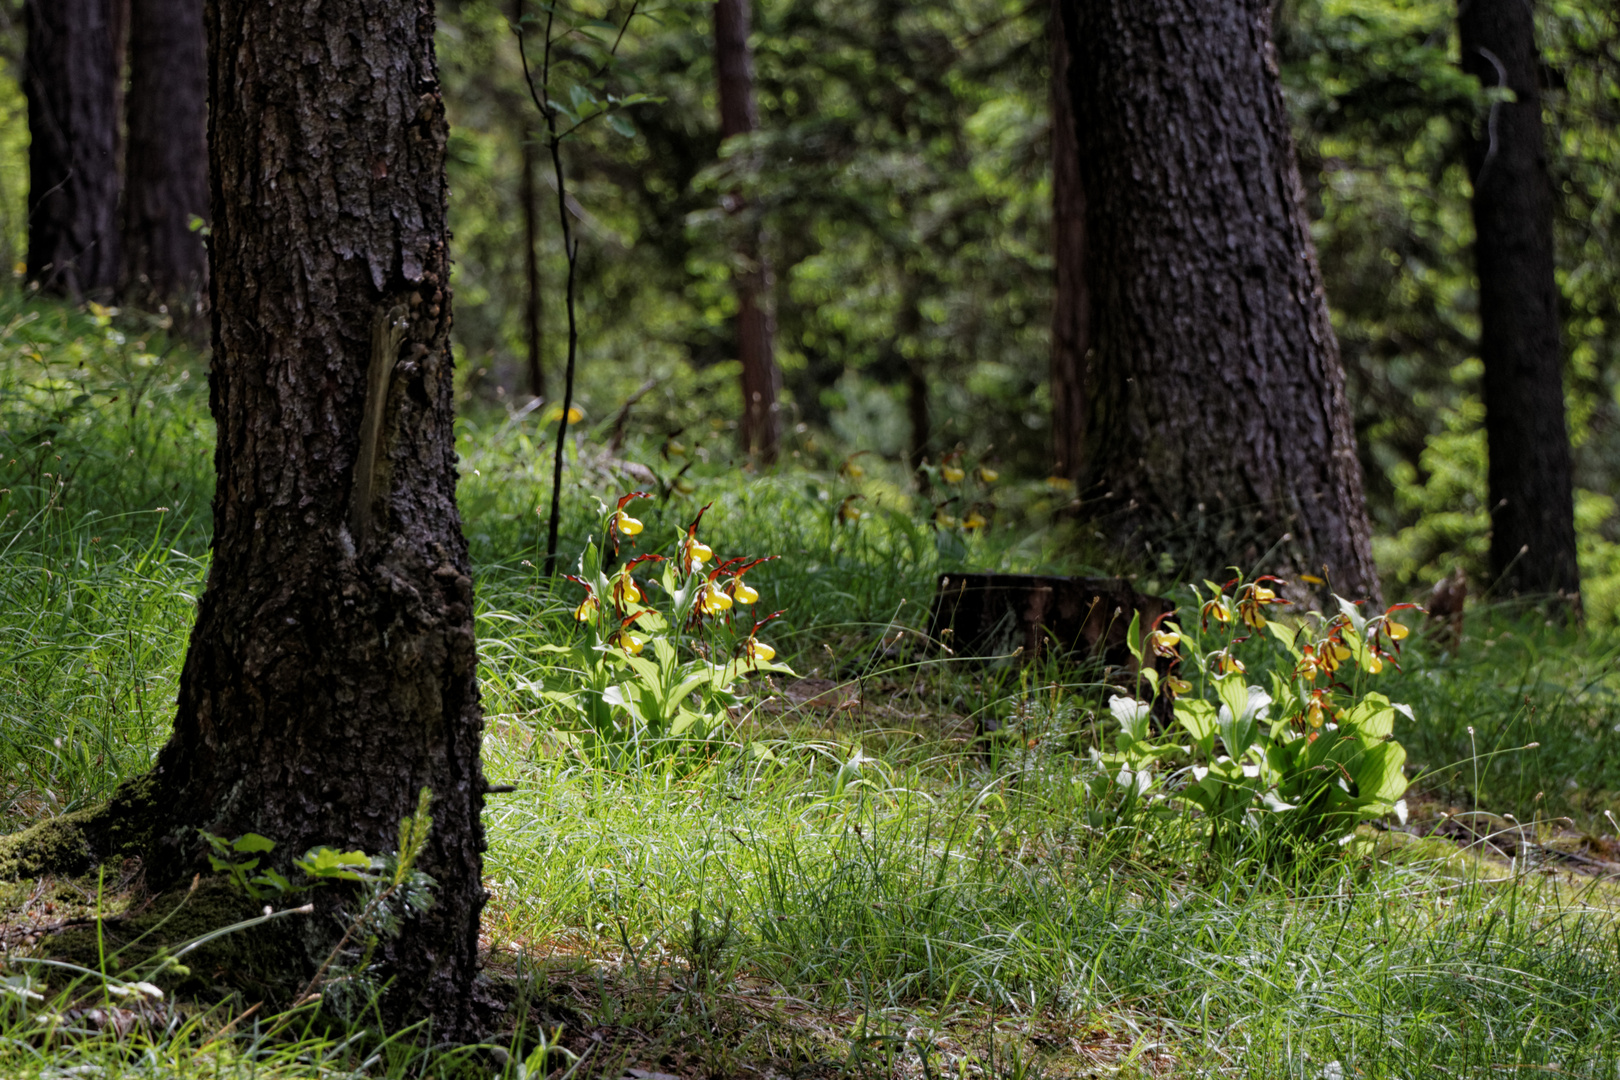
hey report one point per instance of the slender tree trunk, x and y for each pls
(761, 379)
(1071, 299)
(1219, 429)
(532, 299)
(330, 675)
(1530, 475)
(166, 165)
(908, 358)
(71, 78)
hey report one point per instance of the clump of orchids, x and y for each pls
(1311, 752)
(662, 654)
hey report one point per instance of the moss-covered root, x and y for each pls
(125, 824)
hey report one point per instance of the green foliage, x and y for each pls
(1382, 113)
(631, 707)
(1302, 763)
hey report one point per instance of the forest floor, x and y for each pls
(847, 879)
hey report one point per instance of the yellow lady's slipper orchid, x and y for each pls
(1375, 663)
(624, 589)
(697, 553)
(1164, 643)
(1219, 609)
(1177, 687)
(1225, 663)
(742, 592)
(714, 600)
(758, 651)
(555, 413)
(952, 474)
(974, 520)
(1396, 631)
(587, 608)
(627, 525)
(988, 475)
(945, 520)
(632, 644)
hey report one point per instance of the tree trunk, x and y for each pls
(1071, 300)
(532, 299)
(330, 674)
(71, 78)
(1219, 429)
(1532, 507)
(761, 379)
(166, 165)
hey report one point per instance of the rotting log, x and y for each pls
(1039, 615)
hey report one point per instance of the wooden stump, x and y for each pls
(1035, 615)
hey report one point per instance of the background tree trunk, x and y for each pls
(330, 674)
(533, 299)
(1071, 299)
(72, 76)
(166, 165)
(1530, 474)
(761, 379)
(1218, 416)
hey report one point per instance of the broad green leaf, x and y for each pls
(1198, 717)
(253, 842)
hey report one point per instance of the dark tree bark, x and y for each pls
(1530, 474)
(72, 78)
(166, 163)
(761, 378)
(1218, 419)
(1071, 299)
(532, 298)
(330, 674)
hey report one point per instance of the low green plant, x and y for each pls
(654, 680)
(1304, 758)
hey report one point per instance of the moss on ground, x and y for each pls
(125, 824)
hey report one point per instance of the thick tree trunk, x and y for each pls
(761, 378)
(1071, 300)
(72, 78)
(1219, 429)
(331, 671)
(1530, 478)
(166, 165)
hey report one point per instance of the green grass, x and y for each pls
(874, 895)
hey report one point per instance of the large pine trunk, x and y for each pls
(761, 378)
(1530, 479)
(166, 163)
(1071, 298)
(1219, 429)
(330, 674)
(71, 78)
